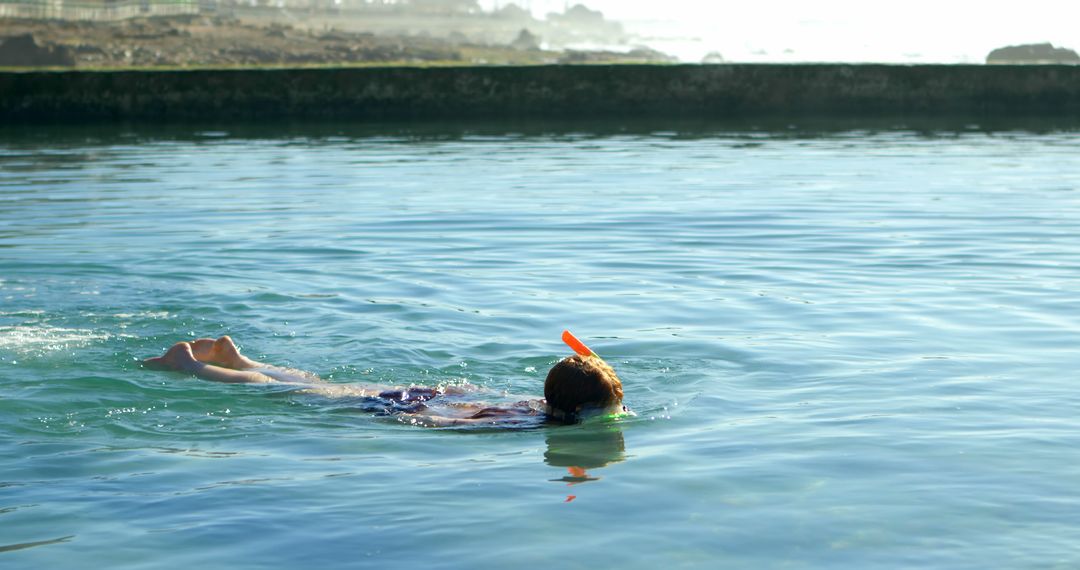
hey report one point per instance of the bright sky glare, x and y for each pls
(913, 31)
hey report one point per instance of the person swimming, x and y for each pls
(576, 387)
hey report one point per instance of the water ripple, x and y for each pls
(845, 347)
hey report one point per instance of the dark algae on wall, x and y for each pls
(553, 91)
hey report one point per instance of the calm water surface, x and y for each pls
(847, 349)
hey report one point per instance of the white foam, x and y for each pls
(46, 338)
(138, 315)
(27, 313)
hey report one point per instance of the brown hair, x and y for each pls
(578, 381)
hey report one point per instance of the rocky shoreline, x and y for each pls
(201, 41)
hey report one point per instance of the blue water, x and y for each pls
(846, 348)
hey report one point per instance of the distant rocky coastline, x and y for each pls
(193, 33)
(201, 41)
(1033, 54)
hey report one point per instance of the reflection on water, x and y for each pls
(581, 448)
(87, 144)
(25, 545)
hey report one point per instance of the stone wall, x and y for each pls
(541, 92)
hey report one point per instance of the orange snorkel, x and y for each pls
(578, 346)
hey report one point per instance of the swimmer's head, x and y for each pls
(580, 382)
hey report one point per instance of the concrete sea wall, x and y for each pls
(541, 92)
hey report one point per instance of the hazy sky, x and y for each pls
(946, 31)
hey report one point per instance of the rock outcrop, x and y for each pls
(713, 57)
(526, 40)
(23, 51)
(1033, 54)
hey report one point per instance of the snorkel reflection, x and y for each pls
(581, 448)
